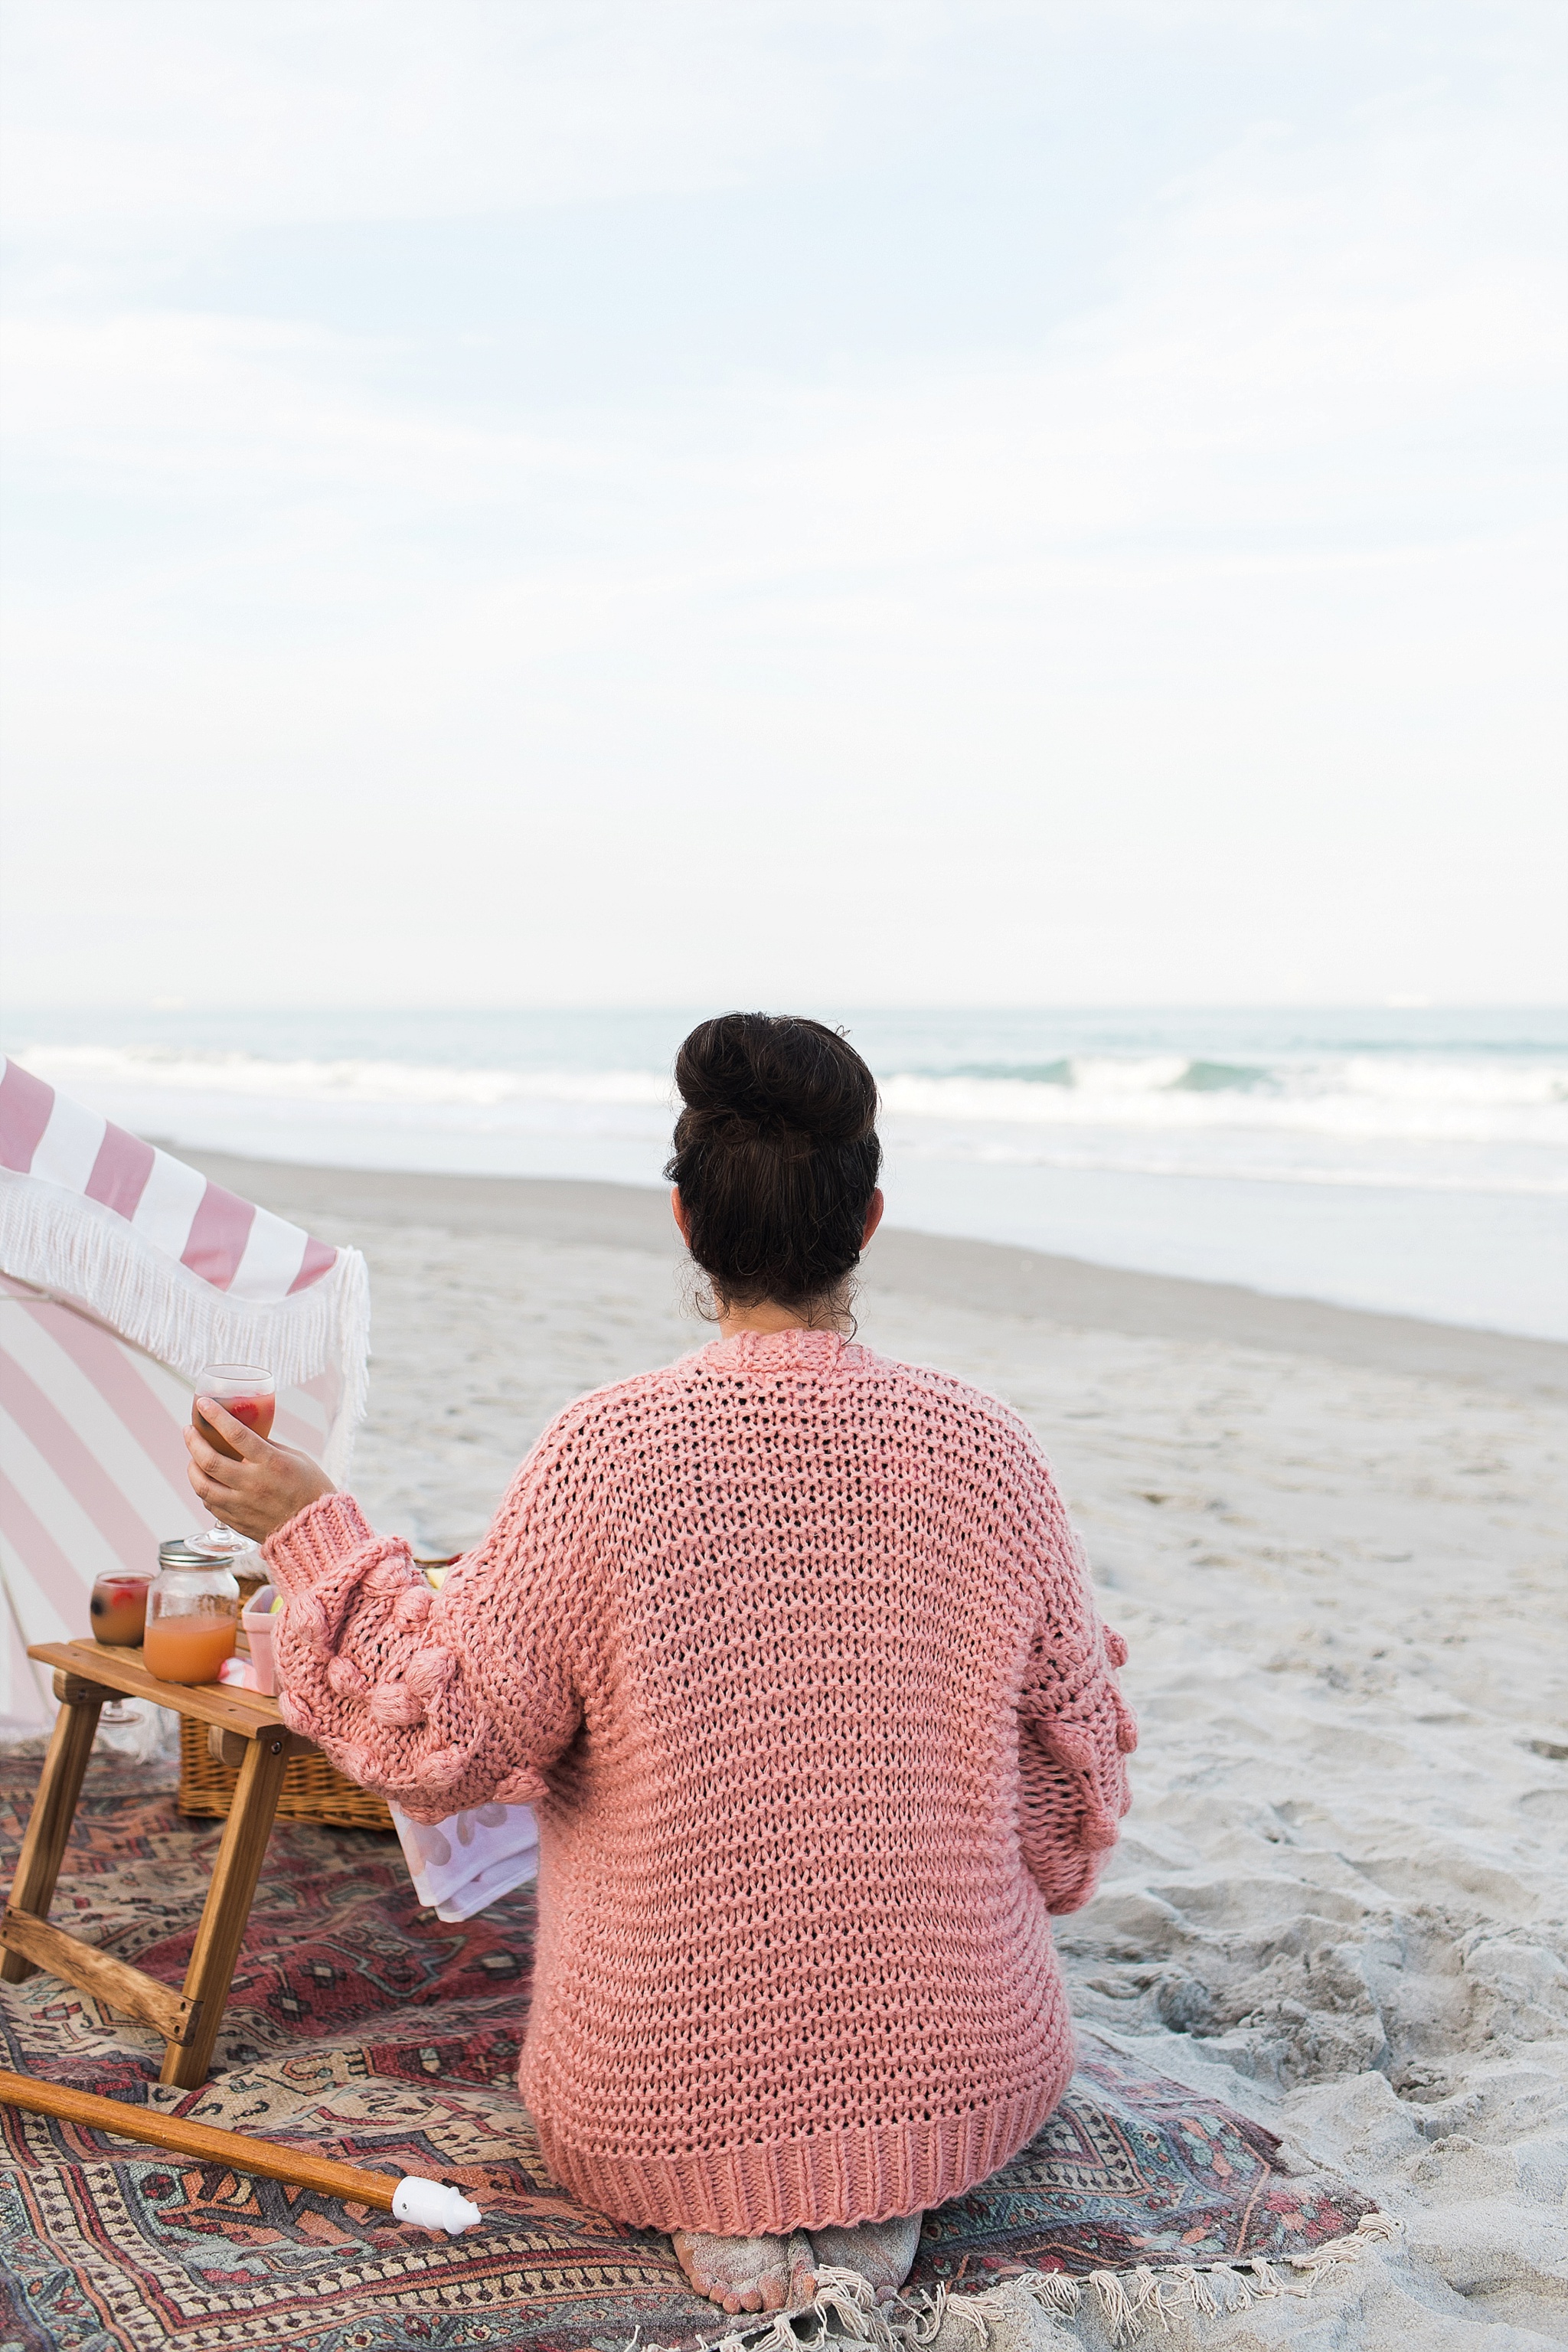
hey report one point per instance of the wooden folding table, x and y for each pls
(253, 1737)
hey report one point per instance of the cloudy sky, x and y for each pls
(1007, 501)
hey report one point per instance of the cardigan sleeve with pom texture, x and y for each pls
(1075, 1729)
(409, 1691)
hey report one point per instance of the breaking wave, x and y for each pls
(1432, 1121)
(1365, 1095)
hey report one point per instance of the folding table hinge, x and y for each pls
(190, 2018)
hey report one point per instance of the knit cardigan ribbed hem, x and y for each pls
(867, 2172)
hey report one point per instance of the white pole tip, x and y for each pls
(433, 2205)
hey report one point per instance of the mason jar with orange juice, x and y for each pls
(193, 1616)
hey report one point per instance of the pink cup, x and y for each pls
(257, 1623)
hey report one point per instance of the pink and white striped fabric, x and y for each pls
(122, 1271)
(240, 1249)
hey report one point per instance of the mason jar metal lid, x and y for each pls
(180, 1551)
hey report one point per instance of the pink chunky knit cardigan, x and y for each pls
(791, 1650)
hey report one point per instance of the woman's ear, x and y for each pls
(873, 1216)
(684, 1222)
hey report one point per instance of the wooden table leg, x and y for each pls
(54, 1809)
(227, 1906)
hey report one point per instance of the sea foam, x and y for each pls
(1414, 1163)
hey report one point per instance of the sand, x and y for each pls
(1335, 1544)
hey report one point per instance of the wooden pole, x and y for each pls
(200, 2140)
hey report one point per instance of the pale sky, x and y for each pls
(511, 502)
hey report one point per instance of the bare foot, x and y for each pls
(880, 2252)
(748, 2273)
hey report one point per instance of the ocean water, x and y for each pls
(1412, 1161)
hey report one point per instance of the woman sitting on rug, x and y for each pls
(791, 1650)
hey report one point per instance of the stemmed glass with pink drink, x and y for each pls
(118, 1609)
(250, 1394)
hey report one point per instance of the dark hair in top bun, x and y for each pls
(776, 1156)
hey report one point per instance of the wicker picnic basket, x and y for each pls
(312, 1790)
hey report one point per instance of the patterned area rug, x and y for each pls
(363, 2027)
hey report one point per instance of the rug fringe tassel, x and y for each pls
(1127, 2301)
(1130, 2301)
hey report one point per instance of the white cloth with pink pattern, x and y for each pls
(471, 1859)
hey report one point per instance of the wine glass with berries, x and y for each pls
(118, 1609)
(250, 1394)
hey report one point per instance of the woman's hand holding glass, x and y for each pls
(256, 1487)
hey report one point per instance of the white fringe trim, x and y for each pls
(87, 1255)
(1128, 2301)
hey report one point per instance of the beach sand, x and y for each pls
(1335, 1544)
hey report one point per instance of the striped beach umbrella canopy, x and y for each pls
(122, 1273)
